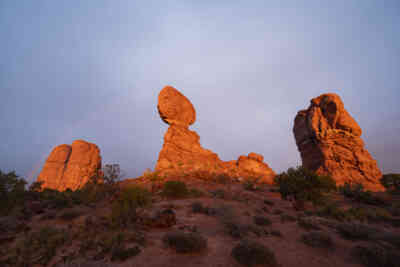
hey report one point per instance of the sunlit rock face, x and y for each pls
(329, 142)
(70, 166)
(182, 151)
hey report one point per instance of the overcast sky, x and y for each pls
(92, 70)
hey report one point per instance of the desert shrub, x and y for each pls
(84, 263)
(109, 241)
(394, 209)
(305, 185)
(185, 242)
(121, 254)
(261, 220)
(36, 186)
(308, 223)
(287, 218)
(219, 193)
(377, 256)
(251, 253)
(12, 192)
(70, 215)
(356, 231)
(268, 202)
(373, 214)
(176, 189)
(356, 192)
(48, 216)
(250, 183)
(376, 214)
(124, 208)
(317, 239)
(351, 190)
(194, 192)
(275, 232)
(236, 229)
(197, 207)
(391, 181)
(222, 178)
(152, 176)
(40, 247)
(277, 211)
(332, 211)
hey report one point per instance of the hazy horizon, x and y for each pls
(92, 70)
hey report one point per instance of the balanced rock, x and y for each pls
(70, 166)
(174, 108)
(182, 150)
(329, 142)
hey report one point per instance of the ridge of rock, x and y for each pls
(329, 142)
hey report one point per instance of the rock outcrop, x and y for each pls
(329, 142)
(70, 166)
(182, 150)
(254, 164)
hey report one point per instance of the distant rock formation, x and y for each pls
(329, 142)
(182, 150)
(70, 166)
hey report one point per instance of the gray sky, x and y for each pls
(92, 70)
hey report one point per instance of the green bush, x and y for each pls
(391, 181)
(302, 184)
(39, 247)
(251, 253)
(12, 192)
(332, 211)
(356, 192)
(124, 208)
(176, 189)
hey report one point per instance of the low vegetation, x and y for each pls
(391, 182)
(252, 253)
(376, 256)
(185, 242)
(110, 223)
(317, 239)
(356, 192)
(175, 189)
(301, 184)
(124, 209)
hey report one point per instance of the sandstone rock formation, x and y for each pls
(329, 142)
(70, 166)
(254, 164)
(182, 150)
